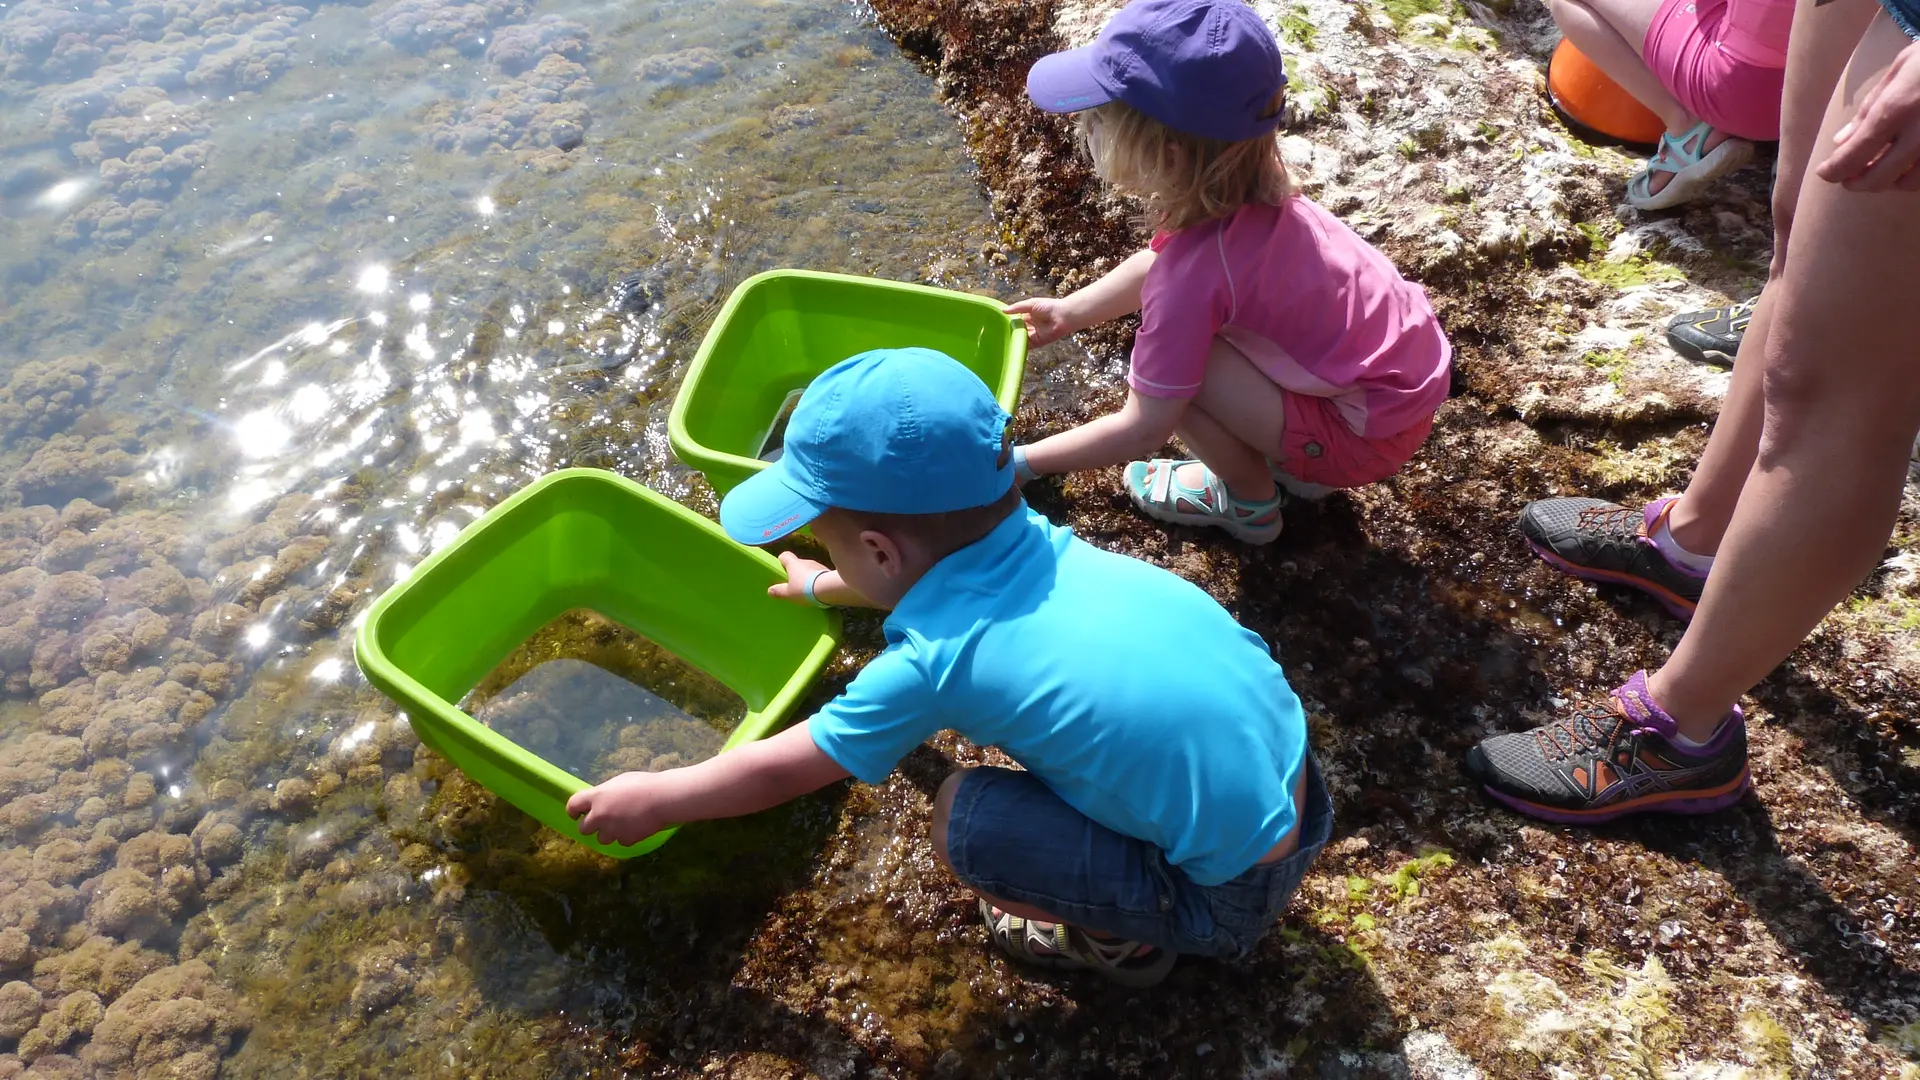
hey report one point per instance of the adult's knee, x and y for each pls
(1811, 401)
(942, 810)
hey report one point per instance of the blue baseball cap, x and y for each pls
(892, 431)
(1205, 67)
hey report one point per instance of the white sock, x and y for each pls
(1685, 743)
(1677, 555)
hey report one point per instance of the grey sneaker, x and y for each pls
(1606, 759)
(1711, 336)
(1596, 540)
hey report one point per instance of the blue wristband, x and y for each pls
(807, 590)
(1022, 472)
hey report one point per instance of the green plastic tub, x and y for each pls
(584, 538)
(780, 329)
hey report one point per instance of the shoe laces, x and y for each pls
(1613, 520)
(1592, 726)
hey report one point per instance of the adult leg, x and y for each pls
(1841, 406)
(1595, 539)
(1823, 39)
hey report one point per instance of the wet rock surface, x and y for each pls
(1778, 938)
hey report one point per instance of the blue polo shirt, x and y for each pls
(1124, 687)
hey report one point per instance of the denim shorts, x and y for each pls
(1011, 837)
(1906, 14)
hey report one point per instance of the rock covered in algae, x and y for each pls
(42, 397)
(538, 109)
(382, 976)
(418, 25)
(688, 67)
(20, 1006)
(73, 1016)
(516, 48)
(179, 1018)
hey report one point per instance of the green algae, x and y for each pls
(1404, 882)
(1609, 362)
(1297, 29)
(1401, 12)
(1626, 273)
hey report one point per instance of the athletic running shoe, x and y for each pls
(1711, 336)
(1607, 759)
(1596, 540)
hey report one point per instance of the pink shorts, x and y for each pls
(1320, 447)
(1683, 51)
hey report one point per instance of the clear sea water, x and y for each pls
(288, 296)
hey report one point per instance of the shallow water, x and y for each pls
(291, 295)
(597, 699)
(596, 725)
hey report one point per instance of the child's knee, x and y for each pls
(942, 810)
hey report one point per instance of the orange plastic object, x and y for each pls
(1594, 105)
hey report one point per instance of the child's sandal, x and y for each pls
(1155, 487)
(1691, 166)
(1065, 947)
(1023, 940)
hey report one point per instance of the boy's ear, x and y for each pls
(884, 552)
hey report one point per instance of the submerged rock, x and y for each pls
(20, 1006)
(178, 1018)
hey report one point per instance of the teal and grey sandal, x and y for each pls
(1062, 947)
(1691, 165)
(1155, 487)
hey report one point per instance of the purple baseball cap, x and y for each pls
(1205, 67)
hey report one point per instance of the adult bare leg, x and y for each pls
(1824, 35)
(1841, 406)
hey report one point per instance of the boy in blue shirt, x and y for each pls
(1168, 802)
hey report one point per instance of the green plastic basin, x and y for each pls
(584, 538)
(780, 329)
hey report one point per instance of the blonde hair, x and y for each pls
(1185, 179)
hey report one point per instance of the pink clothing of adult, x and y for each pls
(1724, 61)
(1312, 305)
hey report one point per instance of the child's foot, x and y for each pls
(1685, 166)
(1596, 540)
(1057, 945)
(1607, 759)
(1188, 493)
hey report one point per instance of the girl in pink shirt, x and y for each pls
(1274, 341)
(1714, 71)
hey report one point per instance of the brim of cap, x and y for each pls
(1064, 82)
(766, 507)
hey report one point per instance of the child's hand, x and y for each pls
(620, 811)
(1047, 319)
(799, 572)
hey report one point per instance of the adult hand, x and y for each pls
(620, 811)
(1880, 146)
(1047, 319)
